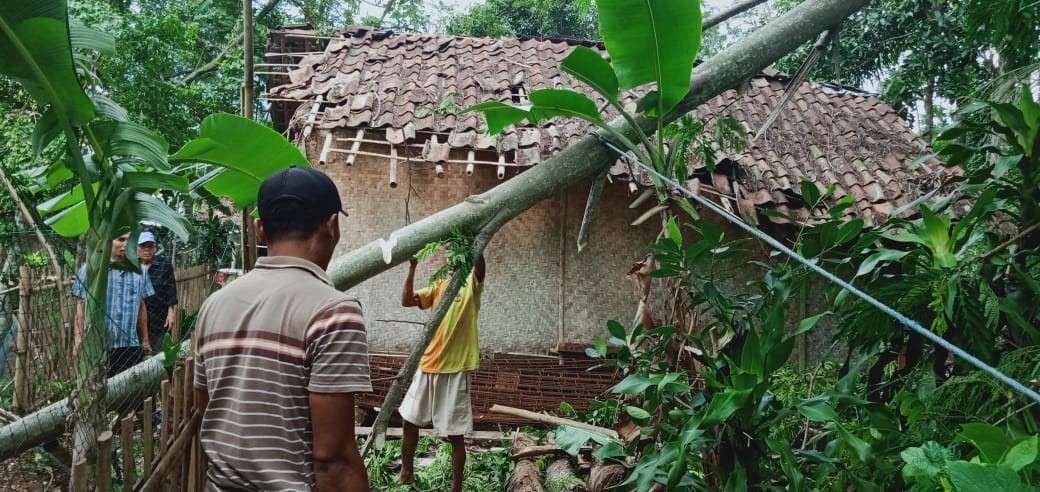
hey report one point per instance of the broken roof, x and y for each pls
(409, 85)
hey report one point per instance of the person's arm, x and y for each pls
(408, 297)
(480, 269)
(338, 466)
(171, 318)
(80, 321)
(142, 327)
(201, 399)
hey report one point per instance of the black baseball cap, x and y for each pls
(298, 192)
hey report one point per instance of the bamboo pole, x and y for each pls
(21, 366)
(549, 419)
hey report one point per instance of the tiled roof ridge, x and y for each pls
(355, 30)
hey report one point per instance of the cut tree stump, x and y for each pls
(526, 476)
(560, 477)
(605, 475)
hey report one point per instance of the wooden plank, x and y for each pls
(126, 438)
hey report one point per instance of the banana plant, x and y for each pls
(112, 172)
(650, 44)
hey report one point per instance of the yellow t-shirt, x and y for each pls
(454, 347)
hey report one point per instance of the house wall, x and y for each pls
(535, 275)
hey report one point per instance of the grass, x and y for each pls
(487, 470)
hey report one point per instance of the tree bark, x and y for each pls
(526, 476)
(560, 477)
(590, 156)
(605, 475)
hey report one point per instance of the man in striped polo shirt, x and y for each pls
(281, 353)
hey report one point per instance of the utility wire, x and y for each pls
(909, 323)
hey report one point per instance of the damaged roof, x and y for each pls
(411, 87)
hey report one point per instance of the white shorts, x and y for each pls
(440, 400)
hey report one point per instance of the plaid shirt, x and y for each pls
(125, 292)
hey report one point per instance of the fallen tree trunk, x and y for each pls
(606, 475)
(49, 423)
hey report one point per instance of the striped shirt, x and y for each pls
(265, 342)
(125, 292)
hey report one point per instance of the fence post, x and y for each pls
(21, 366)
(104, 461)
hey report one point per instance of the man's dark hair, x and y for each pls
(290, 221)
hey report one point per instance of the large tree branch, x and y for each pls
(729, 13)
(215, 62)
(589, 156)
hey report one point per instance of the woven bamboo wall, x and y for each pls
(535, 279)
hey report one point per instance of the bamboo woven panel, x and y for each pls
(529, 382)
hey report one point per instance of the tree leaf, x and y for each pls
(85, 38)
(34, 38)
(126, 139)
(499, 115)
(616, 329)
(1022, 454)
(633, 384)
(723, 405)
(818, 411)
(587, 65)
(70, 222)
(46, 130)
(990, 440)
(860, 447)
(808, 323)
(883, 254)
(245, 166)
(149, 208)
(924, 462)
(988, 478)
(549, 103)
(639, 33)
(107, 108)
(638, 414)
(810, 193)
(155, 181)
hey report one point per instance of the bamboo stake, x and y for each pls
(167, 405)
(126, 439)
(393, 166)
(170, 459)
(148, 437)
(549, 419)
(104, 481)
(21, 365)
(79, 476)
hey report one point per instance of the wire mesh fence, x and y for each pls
(39, 358)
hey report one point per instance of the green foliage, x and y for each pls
(513, 18)
(458, 251)
(1000, 462)
(486, 470)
